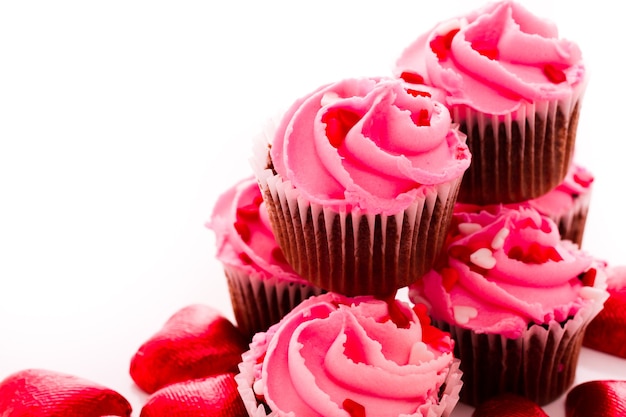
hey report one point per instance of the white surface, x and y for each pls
(122, 121)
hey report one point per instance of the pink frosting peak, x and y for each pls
(502, 270)
(368, 144)
(577, 182)
(308, 362)
(495, 58)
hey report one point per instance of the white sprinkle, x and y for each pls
(483, 258)
(329, 98)
(420, 353)
(469, 228)
(498, 239)
(463, 314)
(593, 293)
(258, 387)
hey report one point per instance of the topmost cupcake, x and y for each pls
(359, 180)
(515, 88)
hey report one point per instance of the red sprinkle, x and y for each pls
(245, 258)
(278, 255)
(449, 277)
(397, 315)
(441, 44)
(485, 49)
(589, 277)
(353, 408)
(422, 118)
(584, 181)
(243, 230)
(412, 77)
(249, 212)
(554, 74)
(416, 93)
(258, 200)
(338, 123)
(535, 254)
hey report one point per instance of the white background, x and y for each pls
(122, 121)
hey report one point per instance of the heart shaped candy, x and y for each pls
(44, 393)
(607, 331)
(214, 396)
(508, 405)
(197, 341)
(597, 398)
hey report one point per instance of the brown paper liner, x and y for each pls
(260, 301)
(519, 156)
(354, 253)
(540, 365)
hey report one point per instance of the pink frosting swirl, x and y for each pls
(501, 271)
(333, 354)
(244, 237)
(368, 144)
(495, 58)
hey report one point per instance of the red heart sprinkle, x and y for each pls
(338, 123)
(554, 74)
(441, 44)
(607, 331)
(243, 230)
(197, 341)
(44, 393)
(508, 405)
(278, 255)
(412, 77)
(214, 396)
(589, 277)
(597, 398)
(245, 258)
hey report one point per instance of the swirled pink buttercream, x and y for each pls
(495, 58)
(333, 356)
(368, 144)
(501, 271)
(244, 237)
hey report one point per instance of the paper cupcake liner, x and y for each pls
(356, 253)
(448, 398)
(518, 156)
(540, 365)
(259, 301)
(572, 222)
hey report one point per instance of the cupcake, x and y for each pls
(567, 204)
(516, 300)
(514, 87)
(262, 285)
(360, 178)
(336, 356)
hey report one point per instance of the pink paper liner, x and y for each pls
(540, 365)
(572, 222)
(259, 300)
(449, 395)
(517, 156)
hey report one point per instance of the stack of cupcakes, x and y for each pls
(446, 178)
(512, 284)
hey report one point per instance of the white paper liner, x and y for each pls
(572, 222)
(245, 381)
(539, 365)
(259, 300)
(350, 252)
(513, 169)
